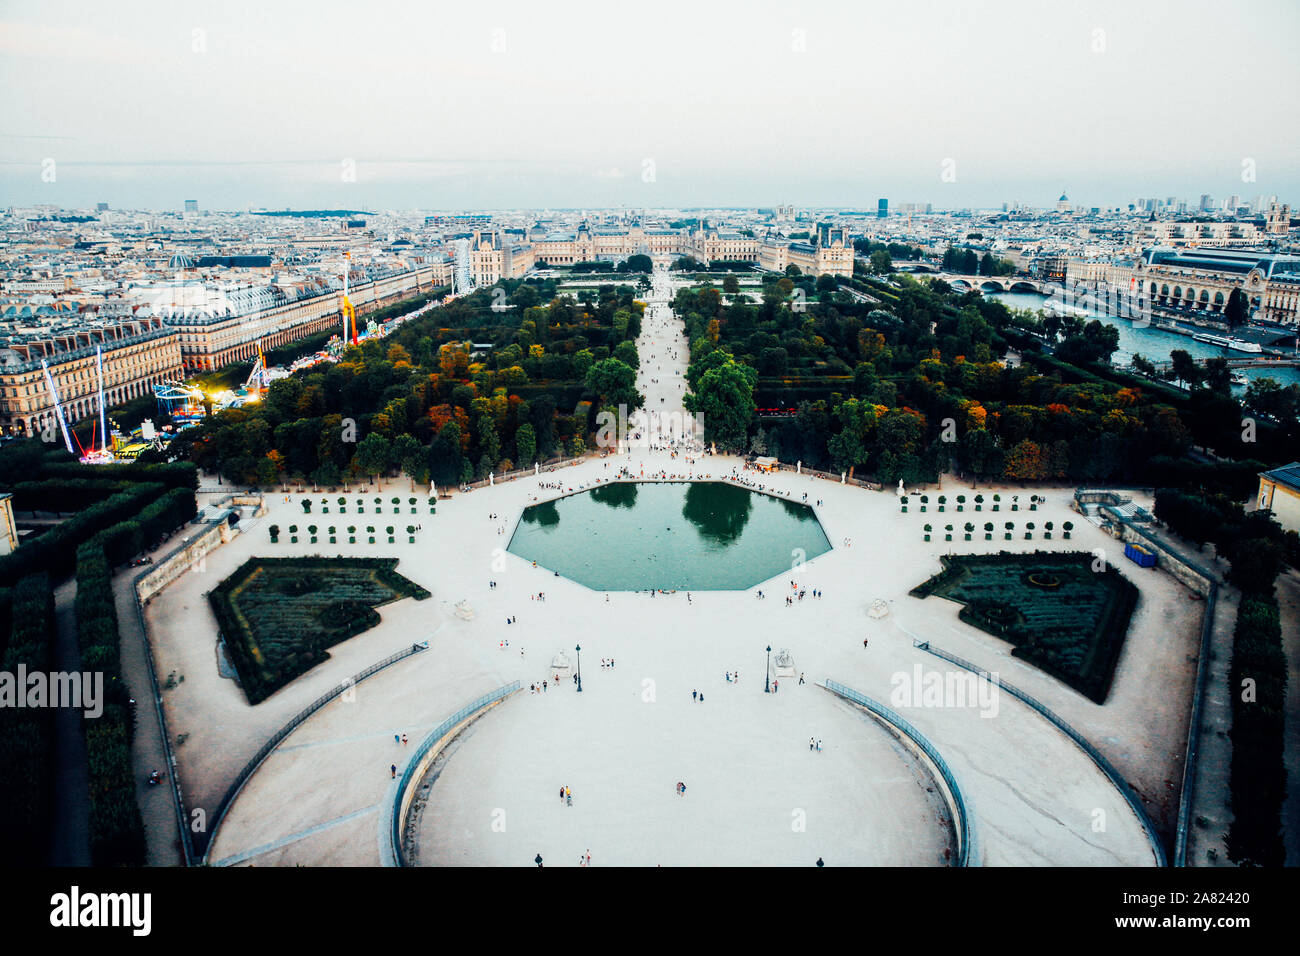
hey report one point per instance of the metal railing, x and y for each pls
(417, 759)
(961, 821)
(1133, 800)
(545, 468)
(250, 768)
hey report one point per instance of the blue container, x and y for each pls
(1139, 556)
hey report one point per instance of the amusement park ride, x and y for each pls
(186, 404)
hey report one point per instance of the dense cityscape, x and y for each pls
(351, 510)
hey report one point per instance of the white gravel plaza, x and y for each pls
(755, 793)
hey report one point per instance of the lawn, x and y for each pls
(280, 616)
(1060, 614)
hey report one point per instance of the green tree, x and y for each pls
(373, 455)
(724, 398)
(526, 445)
(614, 383)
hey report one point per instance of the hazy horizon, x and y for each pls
(515, 106)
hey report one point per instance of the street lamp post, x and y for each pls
(767, 677)
(578, 648)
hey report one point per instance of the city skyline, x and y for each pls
(506, 108)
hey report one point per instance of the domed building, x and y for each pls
(1063, 204)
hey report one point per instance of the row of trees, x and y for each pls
(487, 383)
(26, 732)
(1257, 549)
(913, 389)
(967, 261)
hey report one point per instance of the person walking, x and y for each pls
(801, 677)
(393, 770)
(568, 797)
(810, 743)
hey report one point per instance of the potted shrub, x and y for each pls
(943, 500)
(343, 505)
(275, 533)
(997, 502)
(968, 527)
(311, 530)
(306, 506)
(325, 505)
(925, 500)
(1033, 502)
(352, 534)
(397, 504)
(1047, 529)
(947, 531)
(370, 530)
(979, 502)
(333, 532)
(361, 506)
(1029, 530)
(988, 531)
(293, 533)
(1010, 526)
(902, 501)
(389, 529)
(928, 529)
(412, 503)
(410, 532)
(1015, 502)
(1066, 528)
(433, 502)
(961, 502)
(379, 505)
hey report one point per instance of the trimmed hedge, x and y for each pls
(300, 625)
(62, 495)
(1257, 779)
(54, 552)
(116, 829)
(1080, 649)
(179, 474)
(26, 734)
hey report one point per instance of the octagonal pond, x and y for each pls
(691, 536)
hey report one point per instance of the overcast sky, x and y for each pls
(507, 104)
